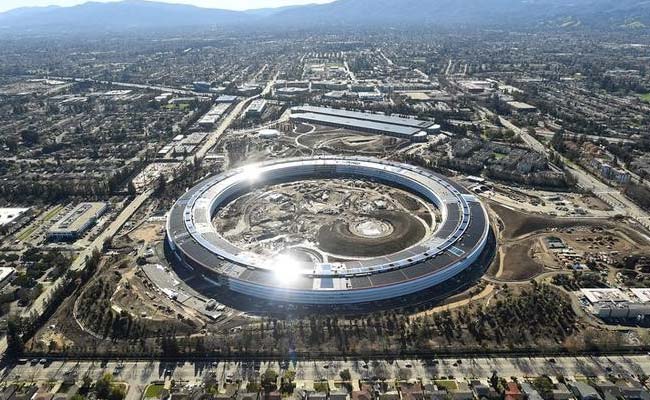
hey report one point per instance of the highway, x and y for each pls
(130, 85)
(228, 120)
(223, 125)
(549, 135)
(141, 373)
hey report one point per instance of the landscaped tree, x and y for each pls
(117, 393)
(345, 375)
(269, 380)
(104, 386)
(15, 345)
(287, 381)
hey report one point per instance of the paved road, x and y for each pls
(181, 92)
(549, 135)
(608, 194)
(141, 373)
(228, 120)
(223, 126)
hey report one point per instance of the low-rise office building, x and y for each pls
(74, 224)
(256, 108)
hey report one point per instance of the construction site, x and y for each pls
(331, 220)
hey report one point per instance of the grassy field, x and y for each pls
(153, 391)
(447, 384)
(645, 97)
(182, 106)
(22, 236)
(52, 213)
(26, 232)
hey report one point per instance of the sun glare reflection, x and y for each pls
(285, 268)
(251, 173)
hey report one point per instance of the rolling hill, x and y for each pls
(140, 14)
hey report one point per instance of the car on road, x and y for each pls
(118, 368)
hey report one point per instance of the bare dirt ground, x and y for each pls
(523, 253)
(521, 260)
(518, 224)
(336, 238)
(148, 232)
(595, 203)
(326, 214)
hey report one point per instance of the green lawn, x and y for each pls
(447, 384)
(182, 106)
(52, 213)
(25, 233)
(154, 391)
(645, 97)
(22, 236)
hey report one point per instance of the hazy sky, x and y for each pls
(228, 4)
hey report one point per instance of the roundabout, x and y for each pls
(366, 249)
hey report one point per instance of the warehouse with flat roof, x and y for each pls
(75, 223)
(425, 125)
(413, 129)
(404, 132)
(212, 116)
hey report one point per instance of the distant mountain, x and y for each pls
(140, 14)
(113, 16)
(613, 13)
(267, 12)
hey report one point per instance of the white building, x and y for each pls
(10, 215)
(163, 98)
(256, 108)
(617, 303)
(77, 222)
(268, 133)
(12, 218)
(211, 117)
(6, 275)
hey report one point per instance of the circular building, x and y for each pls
(456, 241)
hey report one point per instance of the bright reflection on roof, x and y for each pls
(286, 269)
(251, 173)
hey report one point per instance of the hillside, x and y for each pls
(140, 14)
